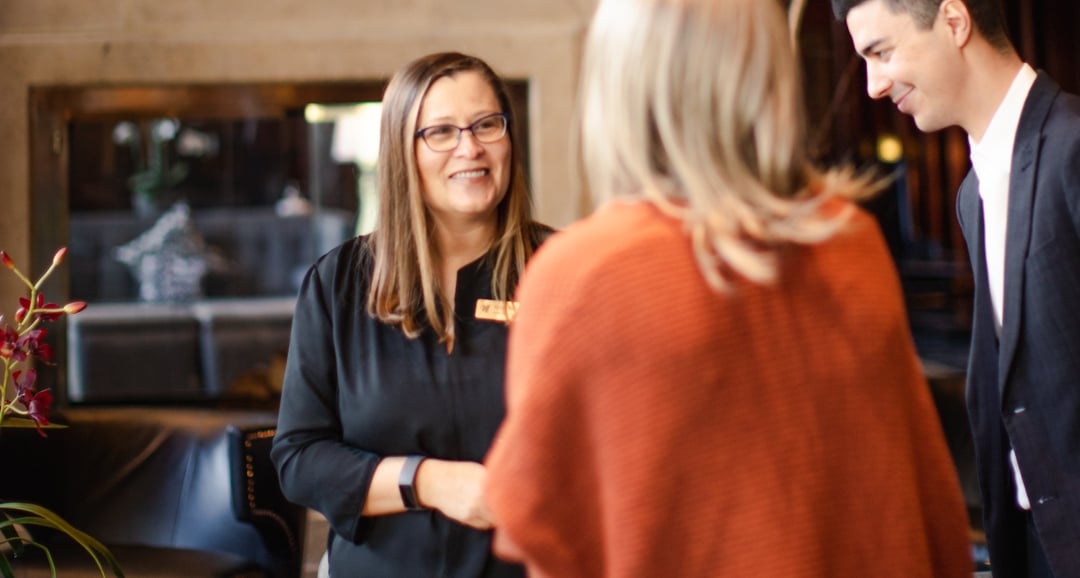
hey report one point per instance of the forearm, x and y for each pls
(383, 495)
(451, 487)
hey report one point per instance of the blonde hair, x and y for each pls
(696, 106)
(405, 280)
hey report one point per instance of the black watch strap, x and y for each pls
(407, 483)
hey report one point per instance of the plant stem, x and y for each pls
(4, 406)
(41, 280)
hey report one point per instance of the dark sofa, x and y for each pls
(260, 253)
(206, 350)
(172, 492)
(220, 346)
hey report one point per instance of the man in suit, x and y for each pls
(950, 63)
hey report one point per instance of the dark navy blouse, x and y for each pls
(357, 389)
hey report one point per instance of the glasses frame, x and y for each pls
(422, 133)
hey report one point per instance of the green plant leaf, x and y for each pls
(48, 557)
(22, 520)
(5, 568)
(95, 550)
(42, 516)
(9, 533)
(25, 422)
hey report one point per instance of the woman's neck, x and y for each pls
(460, 245)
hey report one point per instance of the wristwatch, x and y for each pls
(407, 483)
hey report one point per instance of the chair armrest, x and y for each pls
(257, 497)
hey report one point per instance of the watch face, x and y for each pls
(407, 483)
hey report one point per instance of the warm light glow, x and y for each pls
(889, 149)
(356, 134)
(314, 113)
(355, 140)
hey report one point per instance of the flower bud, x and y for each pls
(7, 260)
(74, 307)
(59, 256)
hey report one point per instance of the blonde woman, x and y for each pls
(394, 380)
(713, 375)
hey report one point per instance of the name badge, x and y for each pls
(491, 310)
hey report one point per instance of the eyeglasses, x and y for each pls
(445, 137)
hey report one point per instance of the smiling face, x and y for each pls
(919, 69)
(468, 182)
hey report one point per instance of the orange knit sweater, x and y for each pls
(657, 428)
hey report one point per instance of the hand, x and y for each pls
(456, 489)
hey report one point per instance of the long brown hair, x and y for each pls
(405, 281)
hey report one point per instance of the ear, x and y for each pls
(955, 17)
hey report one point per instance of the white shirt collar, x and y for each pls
(994, 151)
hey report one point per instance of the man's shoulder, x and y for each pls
(1066, 109)
(1059, 131)
(1059, 109)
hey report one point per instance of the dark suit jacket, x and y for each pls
(1024, 389)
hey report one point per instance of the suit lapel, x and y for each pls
(968, 211)
(1018, 231)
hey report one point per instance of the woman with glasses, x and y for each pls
(713, 374)
(394, 381)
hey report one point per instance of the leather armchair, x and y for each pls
(172, 492)
(257, 498)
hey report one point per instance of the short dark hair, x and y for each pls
(988, 15)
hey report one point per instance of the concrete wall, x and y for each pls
(77, 42)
